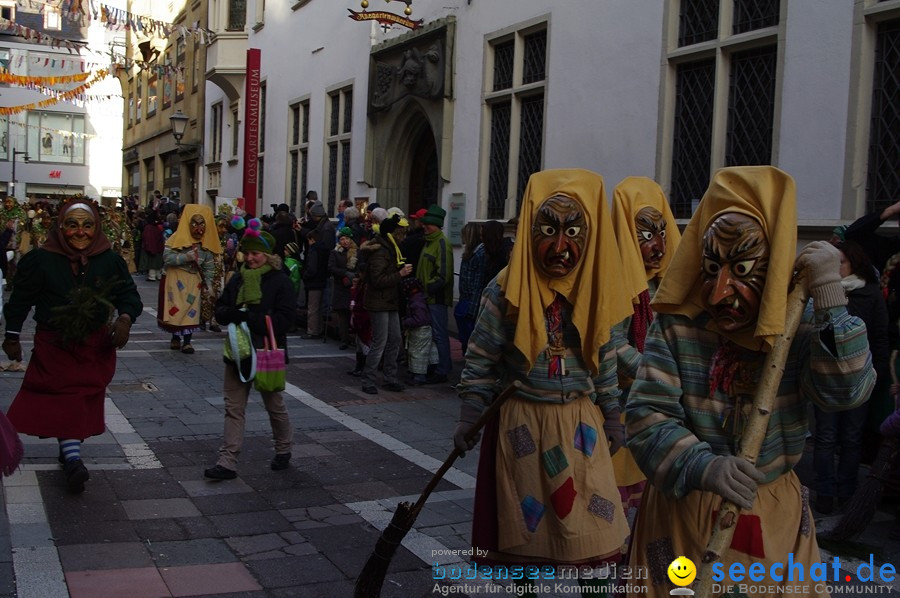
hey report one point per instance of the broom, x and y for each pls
(754, 435)
(370, 580)
(862, 505)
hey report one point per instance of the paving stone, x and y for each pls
(245, 524)
(294, 571)
(246, 545)
(116, 583)
(201, 551)
(67, 531)
(113, 555)
(160, 508)
(182, 528)
(244, 502)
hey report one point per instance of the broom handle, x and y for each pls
(755, 433)
(486, 415)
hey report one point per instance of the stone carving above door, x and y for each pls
(410, 71)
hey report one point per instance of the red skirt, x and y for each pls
(64, 388)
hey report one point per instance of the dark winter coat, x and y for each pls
(341, 267)
(868, 304)
(381, 275)
(152, 240)
(315, 269)
(412, 244)
(284, 233)
(278, 301)
(417, 313)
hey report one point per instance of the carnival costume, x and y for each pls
(688, 407)
(546, 494)
(189, 265)
(73, 291)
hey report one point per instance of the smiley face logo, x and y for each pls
(682, 571)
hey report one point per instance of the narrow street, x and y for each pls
(150, 525)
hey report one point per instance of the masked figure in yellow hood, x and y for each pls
(647, 236)
(719, 310)
(546, 494)
(189, 265)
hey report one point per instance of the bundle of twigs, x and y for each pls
(370, 580)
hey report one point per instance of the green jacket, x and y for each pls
(44, 280)
(435, 269)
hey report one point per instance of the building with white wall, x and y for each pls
(62, 148)
(497, 89)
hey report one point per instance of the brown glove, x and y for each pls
(733, 478)
(121, 330)
(468, 415)
(13, 349)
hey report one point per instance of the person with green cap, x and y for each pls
(260, 288)
(435, 272)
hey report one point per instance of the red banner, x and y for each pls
(251, 131)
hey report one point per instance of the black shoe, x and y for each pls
(416, 381)
(436, 379)
(311, 337)
(356, 373)
(393, 387)
(343, 347)
(76, 475)
(187, 349)
(220, 473)
(215, 328)
(370, 390)
(281, 461)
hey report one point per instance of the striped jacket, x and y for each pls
(493, 362)
(675, 428)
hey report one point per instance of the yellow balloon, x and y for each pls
(682, 571)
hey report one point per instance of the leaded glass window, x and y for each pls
(535, 57)
(335, 113)
(345, 173)
(332, 173)
(751, 108)
(532, 132)
(698, 21)
(750, 15)
(498, 174)
(503, 65)
(237, 15)
(883, 177)
(348, 112)
(692, 139)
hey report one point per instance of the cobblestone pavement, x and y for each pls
(149, 524)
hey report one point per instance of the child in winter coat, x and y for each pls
(417, 325)
(292, 264)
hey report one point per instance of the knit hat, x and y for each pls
(345, 231)
(840, 231)
(434, 215)
(282, 207)
(291, 249)
(317, 210)
(255, 239)
(372, 206)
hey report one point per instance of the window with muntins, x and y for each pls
(714, 127)
(883, 176)
(298, 152)
(515, 92)
(340, 123)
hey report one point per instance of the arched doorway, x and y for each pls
(423, 175)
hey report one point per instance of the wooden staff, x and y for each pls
(755, 433)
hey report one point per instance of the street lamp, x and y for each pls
(16, 153)
(179, 121)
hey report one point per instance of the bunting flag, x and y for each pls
(42, 81)
(62, 96)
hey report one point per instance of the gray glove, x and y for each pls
(468, 415)
(822, 262)
(615, 432)
(733, 478)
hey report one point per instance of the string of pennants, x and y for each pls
(110, 17)
(68, 95)
(23, 125)
(54, 80)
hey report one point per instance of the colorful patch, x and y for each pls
(191, 298)
(192, 314)
(554, 461)
(585, 438)
(747, 536)
(533, 512)
(179, 285)
(563, 498)
(173, 310)
(521, 441)
(660, 555)
(602, 508)
(805, 520)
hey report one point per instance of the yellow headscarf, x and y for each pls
(592, 288)
(630, 196)
(182, 235)
(766, 194)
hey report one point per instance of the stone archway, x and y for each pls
(424, 188)
(409, 174)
